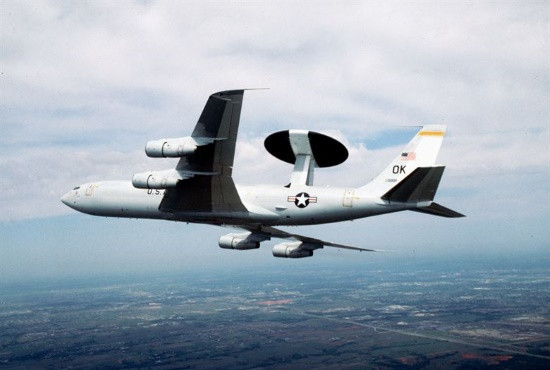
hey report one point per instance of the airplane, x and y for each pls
(201, 189)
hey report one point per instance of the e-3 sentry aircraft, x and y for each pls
(201, 190)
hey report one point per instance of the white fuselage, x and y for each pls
(265, 204)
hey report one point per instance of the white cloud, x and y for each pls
(84, 85)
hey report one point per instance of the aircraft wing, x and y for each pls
(310, 243)
(218, 125)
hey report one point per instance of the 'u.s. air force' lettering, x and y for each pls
(302, 200)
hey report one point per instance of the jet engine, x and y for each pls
(291, 250)
(178, 147)
(157, 180)
(239, 241)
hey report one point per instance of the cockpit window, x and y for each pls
(78, 187)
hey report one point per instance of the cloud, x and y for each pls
(85, 85)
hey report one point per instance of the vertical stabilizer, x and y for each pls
(421, 151)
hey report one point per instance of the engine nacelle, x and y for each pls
(156, 180)
(238, 241)
(163, 148)
(291, 250)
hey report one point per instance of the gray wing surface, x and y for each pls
(309, 243)
(218, 124)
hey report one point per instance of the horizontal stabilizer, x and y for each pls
(439, 210)
(419, 186)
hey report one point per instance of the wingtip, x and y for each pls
(237, 91)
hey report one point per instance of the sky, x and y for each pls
(84, 85)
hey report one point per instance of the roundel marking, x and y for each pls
(302, 200)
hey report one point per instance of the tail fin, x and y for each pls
(421, 151)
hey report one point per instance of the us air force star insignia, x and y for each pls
(302, 200)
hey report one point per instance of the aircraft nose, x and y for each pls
(66, 199)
